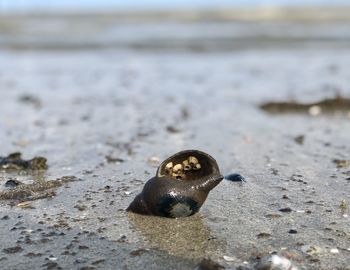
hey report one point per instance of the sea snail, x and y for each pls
(180, 187)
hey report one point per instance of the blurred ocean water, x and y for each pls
(197, 31)
(193, 25)
(91, 5)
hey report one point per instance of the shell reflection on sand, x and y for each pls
(186, 238)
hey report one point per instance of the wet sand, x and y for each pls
(101, 112)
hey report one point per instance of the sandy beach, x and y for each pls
(105, 98)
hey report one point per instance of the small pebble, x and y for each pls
(299, 139)
(24, 205)
(12, 250)
(341, 163)
(235, 177)
(315, 110)
(273, 215)
(334, 250)
(12, 183)
(172, 129)
(274, 262)
(228, 258)
(138, 252)
(311, 250)
(263, 235)
(285, 210)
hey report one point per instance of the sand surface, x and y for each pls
(82, 96)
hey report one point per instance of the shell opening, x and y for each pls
(188, 165)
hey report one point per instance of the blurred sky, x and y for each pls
(54, 5)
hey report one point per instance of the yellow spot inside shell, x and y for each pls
(177, 168)
(169, 167)
(186, 165)
(192, 160)
(197, 167)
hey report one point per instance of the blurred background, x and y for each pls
(180, 55)
(176, 25)
(53, 5)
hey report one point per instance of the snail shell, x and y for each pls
(178, 193)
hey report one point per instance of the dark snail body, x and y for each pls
(179, 190)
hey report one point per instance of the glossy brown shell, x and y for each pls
(166, 195)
